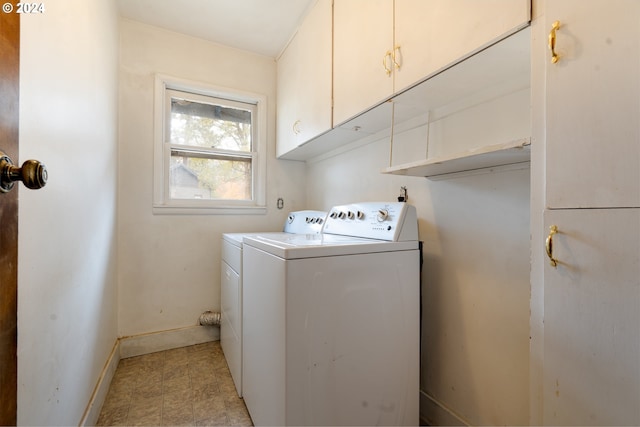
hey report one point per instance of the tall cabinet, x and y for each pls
(591, 193)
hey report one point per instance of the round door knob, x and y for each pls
(33, 174)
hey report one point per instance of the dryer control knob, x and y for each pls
(351, 215)
(342, 215)
(383, 214)
(360, 215)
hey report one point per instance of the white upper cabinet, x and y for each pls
(382, 46)
(362, 56)
(433, 34)
(304, 81)
(593, 105)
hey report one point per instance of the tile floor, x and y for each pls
(188, 386)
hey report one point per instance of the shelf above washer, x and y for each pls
(490, 156)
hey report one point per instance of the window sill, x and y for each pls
(207, 210)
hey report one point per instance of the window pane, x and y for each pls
(208, 125)
(202, 176)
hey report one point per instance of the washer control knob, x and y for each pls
(383, 214)
(342, 215)
(360, 215)
(290, 219)
(351, 215)
(333, 215)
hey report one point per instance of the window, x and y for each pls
(210, 149)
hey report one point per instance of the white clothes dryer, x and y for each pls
(304, 222)
(331, 321)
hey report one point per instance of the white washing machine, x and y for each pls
(331, 321)
(304, 222)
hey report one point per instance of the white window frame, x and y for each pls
(162, 203)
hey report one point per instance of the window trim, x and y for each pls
(162, 204)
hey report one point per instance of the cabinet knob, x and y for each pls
(33, 174)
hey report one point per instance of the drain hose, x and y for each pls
(209, 318)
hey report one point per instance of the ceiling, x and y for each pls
(259, 26)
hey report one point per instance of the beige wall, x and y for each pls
(67, 323)
(169, 265)
(475, 350)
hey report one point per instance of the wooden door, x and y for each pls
(592, 318)
(9, 87)
(592, 105)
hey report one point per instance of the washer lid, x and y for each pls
(308, 221)
(237, 238)
(234, 238)
(294, 246)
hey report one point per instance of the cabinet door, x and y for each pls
(363, 33)
(592, 105)
(304, 81)
(592, 318)
(433, 34)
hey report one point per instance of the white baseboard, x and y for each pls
(434, 413)
(166, 340)
(92, 412)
